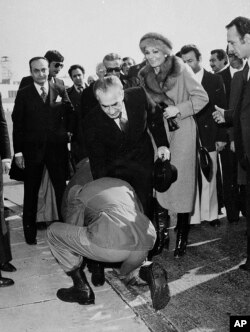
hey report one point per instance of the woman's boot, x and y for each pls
(80, 292)
(161, 224)
(182, 234)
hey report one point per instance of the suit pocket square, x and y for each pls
(58, 99)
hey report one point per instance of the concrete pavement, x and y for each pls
(31, 304)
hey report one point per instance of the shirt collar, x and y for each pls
(38, 87)
(199, 75)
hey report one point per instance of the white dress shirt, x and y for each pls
(38, 87)
(199, 75)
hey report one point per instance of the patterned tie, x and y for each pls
(43, 94)
(80, 89)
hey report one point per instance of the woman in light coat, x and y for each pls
(171, 84)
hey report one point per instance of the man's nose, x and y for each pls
(230, 47)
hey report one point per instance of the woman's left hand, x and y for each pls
(171, 112)
(163, 153)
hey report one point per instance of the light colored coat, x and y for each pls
(190, 97)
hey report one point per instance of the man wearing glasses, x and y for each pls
(55, 60)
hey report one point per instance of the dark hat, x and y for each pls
(157, 40)
(164, 175)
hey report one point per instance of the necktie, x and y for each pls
(123, 124)
(43, 94)
(80, 89)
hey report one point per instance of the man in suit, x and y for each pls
(5, 251)
(117, 140)
(43, 120)
(76, 73)
(212, 136)
(219, 62)
(234, 194)
(55, 60)
(238, 37)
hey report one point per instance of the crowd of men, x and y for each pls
(91, 117)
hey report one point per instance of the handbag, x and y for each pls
(16, 173)
(204, 159)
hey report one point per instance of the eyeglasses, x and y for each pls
(59, 64)
(116, 69)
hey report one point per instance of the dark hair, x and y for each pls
(54, 55)
(105, 83)
(37, 58)
(111, 57)
(242, 25)
(74, 67)
(191, 47)
(178, 54)
(127, 58)
(221, 54)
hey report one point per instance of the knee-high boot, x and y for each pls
(182, 234)
(161, 223)
(80, 292)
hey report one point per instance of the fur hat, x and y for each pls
(157, 40)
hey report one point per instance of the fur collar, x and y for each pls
(158, 85)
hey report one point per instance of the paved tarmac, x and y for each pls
(206, 285)
(31, 304)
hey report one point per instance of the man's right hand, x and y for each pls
(218, 115)
(20, 162)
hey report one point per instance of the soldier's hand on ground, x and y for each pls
(20, 162)
(163, 153)
(218, 115)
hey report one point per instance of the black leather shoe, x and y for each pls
(7, 267)
(98, 276)
(156, 277)
(73, 294)
(245, 267)
(31, 242)
(215, 223)
(80, 292)
(5, 282)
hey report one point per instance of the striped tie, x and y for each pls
(43, 94)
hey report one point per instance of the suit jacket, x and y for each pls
(28, 80)
(78, 147)
(4, 135)
(211, 132)
(36, 123)
(239, 112)
(226, 76)
(108, 146)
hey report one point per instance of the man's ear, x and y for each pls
(247, 38)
